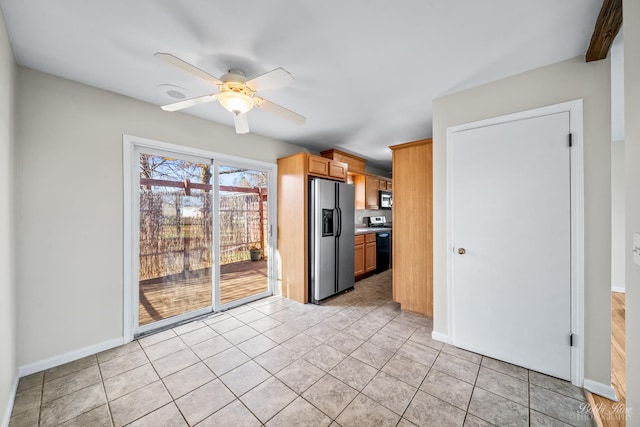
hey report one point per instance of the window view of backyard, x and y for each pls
(176, 265)
(243, 233)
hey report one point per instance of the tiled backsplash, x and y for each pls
(366, 212)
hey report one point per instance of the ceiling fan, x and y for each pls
(236, 93)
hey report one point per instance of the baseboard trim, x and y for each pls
(440, 337)
(620, 289)
(61, 359)
(12, 398)
(600, 389)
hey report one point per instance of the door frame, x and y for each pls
(130, 258)
(575, 110)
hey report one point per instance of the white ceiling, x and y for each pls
(366, 70)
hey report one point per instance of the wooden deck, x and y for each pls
(242, 279)
(613, 413)
(168, 297)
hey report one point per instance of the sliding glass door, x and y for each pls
(200, 236)
(175, 246)
(243, 230)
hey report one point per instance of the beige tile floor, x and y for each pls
(357, 360)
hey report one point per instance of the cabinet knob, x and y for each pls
(461, 251)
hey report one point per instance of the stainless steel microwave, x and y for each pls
(386, 200)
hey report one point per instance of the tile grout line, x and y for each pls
(41, 399)
(529, 394)
(106, 397)
(173, 401)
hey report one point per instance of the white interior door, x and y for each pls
(511, 216)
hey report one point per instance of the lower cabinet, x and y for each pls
(359, 255)
(369, 252)
(364, 254)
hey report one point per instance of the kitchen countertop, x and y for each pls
(367, 230)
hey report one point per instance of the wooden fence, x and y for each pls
(176, 227)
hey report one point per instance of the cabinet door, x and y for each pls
(371, 192)
(389, 185)
(358, 260)
(338, 170)
(382, 184)
(318, 166)
(370, 256)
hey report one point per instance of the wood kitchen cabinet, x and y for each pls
(294, 173)
(364, 254)
(367, 191)
(385, 184)
(372, 188)
(413, 226)
(367, 186)
(358, 265)
(355, 163)
(326, 168)
(369, 252)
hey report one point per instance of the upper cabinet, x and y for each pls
(367, 186)
(367, 189)
(385, 184)
(355, 163)
(326, 168)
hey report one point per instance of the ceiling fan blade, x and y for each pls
(177, 62)
(279, 111)
(273, 79)
(190, 102)
(241, 122)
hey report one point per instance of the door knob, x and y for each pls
(461, 251)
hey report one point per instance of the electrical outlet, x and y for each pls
(636, 248)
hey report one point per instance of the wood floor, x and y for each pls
(612, 413)
(163, 299)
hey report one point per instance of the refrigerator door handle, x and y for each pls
(337, 254)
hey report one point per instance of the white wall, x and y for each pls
(632, 171)
(8, 364)
(617, 164)
(617, 88)
(70, 204)
(552, 84)
(617, 216)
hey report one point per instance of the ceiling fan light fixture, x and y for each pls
(236, 102)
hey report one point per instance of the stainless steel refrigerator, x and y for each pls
(331, 246)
